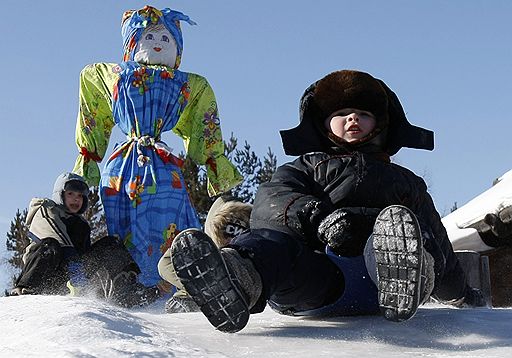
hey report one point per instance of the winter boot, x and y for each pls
(124, 290)
(403, 271)
(222, 283)
(128, 292)
(181, 302)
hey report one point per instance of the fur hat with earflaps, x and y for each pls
(226, 219)
(352, 89)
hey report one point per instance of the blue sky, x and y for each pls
(448, 61)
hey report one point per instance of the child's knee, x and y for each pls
(166, 270)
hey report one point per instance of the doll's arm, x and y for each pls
(199, 126)
(95, 122)
(450, 280)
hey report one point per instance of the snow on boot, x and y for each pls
(401, 265)
(124, 290)
(181, 302)
(206, 277)
(128, 292)
(18, 291)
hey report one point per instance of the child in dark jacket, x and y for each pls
(339, 231)
(61, 258)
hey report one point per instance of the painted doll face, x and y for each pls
(156, 47)
(351, 124)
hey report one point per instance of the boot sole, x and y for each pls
(203, 272)
(398, 248)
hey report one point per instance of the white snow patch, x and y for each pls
(56, 326)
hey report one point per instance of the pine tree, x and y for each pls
(95, 215)
(16, 241)
(197, 187)
(268, 169)
(248, 164)
(454, 207)
(254, 171)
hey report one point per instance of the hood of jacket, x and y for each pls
(70, 181)
(352, 89)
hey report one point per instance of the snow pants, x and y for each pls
(298, 280)
(49, 266)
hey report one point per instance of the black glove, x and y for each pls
(311, 216)
(346, 230)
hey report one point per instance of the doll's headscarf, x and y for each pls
(135, 21)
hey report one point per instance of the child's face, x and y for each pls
(73, 201)
(156, 47)
(351, 124)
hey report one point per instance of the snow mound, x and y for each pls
(56, 326)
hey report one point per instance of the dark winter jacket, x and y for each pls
(356, 180)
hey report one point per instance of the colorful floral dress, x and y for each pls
(142, 188)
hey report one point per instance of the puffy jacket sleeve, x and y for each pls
(95, 122)
(278, 201)
(199, 126)
(450, 281)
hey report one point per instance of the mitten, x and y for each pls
(310, 217)
(346, 230)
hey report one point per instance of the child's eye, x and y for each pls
(344, 112)
(165, 38)
(149, 37)
(367, 114)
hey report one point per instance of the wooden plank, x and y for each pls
(476, 268)
(500, 269)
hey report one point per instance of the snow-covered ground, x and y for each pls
(57, 326)
(46, 326)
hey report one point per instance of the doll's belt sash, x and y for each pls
(147, 141)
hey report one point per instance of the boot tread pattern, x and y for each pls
(398, 251)
(203, 272)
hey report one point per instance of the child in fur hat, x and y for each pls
(339, 231)
(226, 219)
